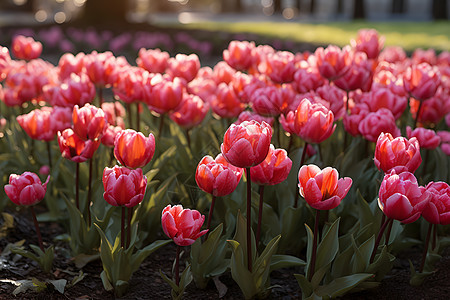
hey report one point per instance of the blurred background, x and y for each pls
(27, 12)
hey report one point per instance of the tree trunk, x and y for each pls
(358, 9)
(340, 6)
(312, 6)
(439, 10)
(398, 6)
(299, 5)
(277, 6)
(98, 12)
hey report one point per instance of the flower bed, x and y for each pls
(347, 150)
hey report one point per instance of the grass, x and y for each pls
(409, 35)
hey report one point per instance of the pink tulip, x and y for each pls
(153, 60)
(225, 103)
(74, 148)
(313, 122)
(182, 225)
(279, 66)
(335, 97)
(333, 62)
(26, 47)
(374, 123)
(307, 78)
(61, 118)
(203, 87)
(432, 110)
(438, 209)
(114, 113)
(424, 56)
(5, 62)
(109, 135)
(191, 111)
(380, 97)
(75, 90)
(267, 101)
(247, 115)
(322, 189)
(359, 76)
(392, 54)
(88, 122)
(247, 144)
(401, 198)
(123, 187)
(38, 124)
(222, 72)
(68, 64)
(132, 149)
(26, 189)
(369, 42)
(165, 94)
(357, 114)
(101, 68)
(239, 55)
(274, 169)
(445, 141)
(184, 66)
(422, 81)
(398, 154)
(216, 176)
(427, 138)
(129, 85)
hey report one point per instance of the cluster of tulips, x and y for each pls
(340, 108)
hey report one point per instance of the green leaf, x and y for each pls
(341, 265)
(329, 246)
(171, 282)
(342, 285)
(59, 285)
(279, 261)
(106, 284)
(305, 285)
(309, 248)
(239, 271)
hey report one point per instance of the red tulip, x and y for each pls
(26, 189)
(129, 86)
(114, 111)
(225, 103)
(438, 209)
(109, 135)
(268, 101)
(88, 122)
(124, 187)
(182, 225)
(247, 144)
(401, 198)
(427, 138)
(153, 60)
(398, 154)
(74, 148)
(191, 111)
(383, 97)
(335, 97)
(374, 123)
(183, 66)
(359, 76)
(421, 81)
(26, 47)
(38, 124)
(420, 55)
(368, 42)
(132, 149)
(165, 94)
(279, 66)
(357, 114)
(216, 176)
(102, 67)
(239, 55)
(68, 64)
(61, 118)
(333, 62)
(75, 90)
(313, 122)
(247, 115)
(322, 189)
(274, 169)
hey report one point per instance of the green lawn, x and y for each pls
(409, 35)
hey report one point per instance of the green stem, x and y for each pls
(122, 228)
(100, 95)
(177, 266)
(130, 216)
(38, 232)
(260, 213)
(312, 265)
(49, 152)
(138, 117)
(77, 186)
(188, 138)
(377, 241)
(161, 125)
(388, 233)
(210, 214)
(130, 118)
(89, 195)
(425, 248)
(249, 220)
(302, 161)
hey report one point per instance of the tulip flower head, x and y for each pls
(124, 187)
(401, 198)
(74, 148)
(333, 62)
(88, 122)
(322, 189)
(132, 149)
(216, 176)
(427, 138)
(182, 225)
(239, 54)
(38, 124)
(422, 81)
(153, 60)
(247, 144)
(374, 123)
(26, 189)
(26, 47)
(274, 169)
(399, 154)
(438, 209)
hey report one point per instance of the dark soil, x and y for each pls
(147, 283)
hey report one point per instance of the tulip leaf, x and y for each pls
(309, 248)
(329, 246)
(239, 271)
(341, 265)
(305, 285)
(342, 285)
(59, 284)
(290, 229)
(280, 261)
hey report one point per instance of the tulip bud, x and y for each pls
(88, 122)
(124, 187)
(274, 169)
(132, 149)
(26, 189)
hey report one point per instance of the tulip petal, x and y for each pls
(398, 207)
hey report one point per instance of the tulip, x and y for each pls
(88, 122)
(397, 154)
(101, 67)
(431, 111)
(222, 72)
(5, 62)
(279, 66)
(191, 112)
(313, 122)
(74, 148)
(445, 141)
(359, 76)
(247, 144)
(374, 123)
(273, 169)
(268, 101)
(114, 111)
(420, 56)
(123, 187)
(183, 66)
(26, 47)
(438, 209)
(421, 81)
(333, 62)
(357, 114)
(247, 115)
(383, 97)
(61, 118)
(392, 54)
(75, 90)
(239, 55)
(129, 85)
(38, 124)
(109, 136)
(153, 60)
(335, 97)
(182, 225)
(132, 149)
(217, 176)
(401, 198)
(427, 138)
(307, 78)
(165, 95)
(68, 64)
(26, 189)
(322, 189)
(369, 42)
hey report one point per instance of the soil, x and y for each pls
(147, 283)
